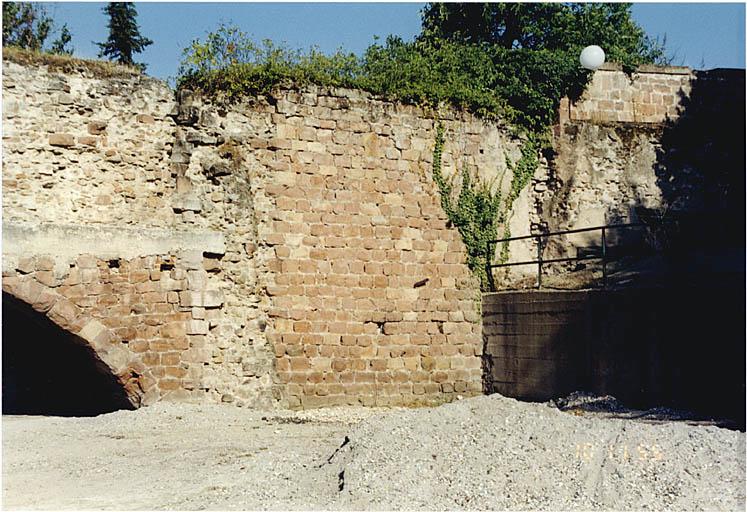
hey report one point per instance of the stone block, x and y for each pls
(202, 299)
(97, 127)
(169, 384)
(197, 327)
(183, 185)
(44, 263)
(86, 261)
(116, 358)
(286, 131)
(174, 285)
(64, 313)
(154, 297)
(44, 300)
(197, 280)
(47, 278)
(211, 264)
(189, 260)
(88, 140)
(173, 330)
(187, 203)
(26, 265)
(61, 140)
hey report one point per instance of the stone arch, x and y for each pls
(108, 353)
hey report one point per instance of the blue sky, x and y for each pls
(701, 36)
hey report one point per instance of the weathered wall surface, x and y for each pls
(369, 299)
(289, 250)
(630, 343)
(89, 175)
(690, 160)
(86, 151)
(687, 159)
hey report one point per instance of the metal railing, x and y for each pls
(604, 256)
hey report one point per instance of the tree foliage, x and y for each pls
(124, 39)
(59, 46)
(544, 26)
(27, 25)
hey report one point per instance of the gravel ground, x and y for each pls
(480, 453)
(497, 453)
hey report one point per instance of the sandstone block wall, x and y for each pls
(652, 94)
(369, 298)
(290, 250)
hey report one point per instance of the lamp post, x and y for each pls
(592, 57)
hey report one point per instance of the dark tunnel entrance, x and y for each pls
(49, 371)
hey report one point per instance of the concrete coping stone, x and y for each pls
(649, 68)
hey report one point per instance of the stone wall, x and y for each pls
(288, 250)
(291, 250)
(90, 170)
(652, 94)
(369, 298)
(690, 160)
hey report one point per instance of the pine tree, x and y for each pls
(124, 34)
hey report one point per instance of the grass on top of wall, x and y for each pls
(68, 64)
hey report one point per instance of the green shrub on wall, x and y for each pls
(521, 86)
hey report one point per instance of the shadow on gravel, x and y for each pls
(588, 404)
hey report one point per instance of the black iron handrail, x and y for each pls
(539, 261)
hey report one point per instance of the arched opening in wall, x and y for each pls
(50, 371)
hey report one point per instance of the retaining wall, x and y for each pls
(290, 249)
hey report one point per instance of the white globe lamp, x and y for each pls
(592, 57)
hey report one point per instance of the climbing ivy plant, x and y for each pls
(476, 211)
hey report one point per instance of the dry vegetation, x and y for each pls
(67, 64)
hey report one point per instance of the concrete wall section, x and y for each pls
(680, 346)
